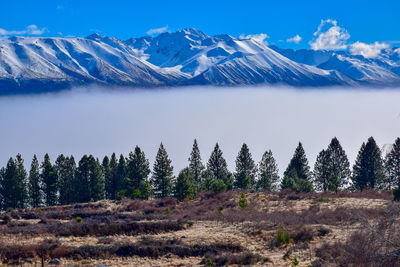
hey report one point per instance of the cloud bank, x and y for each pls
(334, 38)
(157, 30)
(261, 37)
(368, 50)
(295, 39)
(29, 30)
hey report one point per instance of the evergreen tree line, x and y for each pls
(67, 182)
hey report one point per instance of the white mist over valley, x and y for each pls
(100, 122)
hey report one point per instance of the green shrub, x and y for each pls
(137, 194)
(321, 199)
(121, 194)
(243, 201)
(218, 186)
(295, 262)
(78, 219)
(209, 262)
(282, 238)
(167, 211)
(286, 238)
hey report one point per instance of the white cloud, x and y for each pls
(29, 30)
(367, 50)
(258, 37)
(333, 38)
(397, 51)
(157, 30)
(295, 39)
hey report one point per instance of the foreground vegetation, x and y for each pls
(234, 227)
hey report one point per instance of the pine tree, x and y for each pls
(120, 179)
(107, 173)
(96, 179)
(268, 172)
(138, 171)
(49, 179)
(162, 174)
(245, 169)
(217, 166)
(21, 182)
(111, 185)
(392, 167)
(81, 182)
(185, 186)
(297, 175)
(368, 171)
(13, 190)
(8, 181)
(65, 167)
(340, 166)
(89, 181)
(34, 185)
(332, 168)
(195, 164)
(322, 171)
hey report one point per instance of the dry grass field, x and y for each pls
(275, 229)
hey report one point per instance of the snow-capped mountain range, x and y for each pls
(186, 57)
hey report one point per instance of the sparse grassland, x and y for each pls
(273, 229)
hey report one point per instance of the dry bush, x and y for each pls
(166, 202)
(372, 245)
(241, 259)
(98, 228)
(160, 248)
(14, 254)
(303, 234)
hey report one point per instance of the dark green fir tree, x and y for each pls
(268, 173)
(162, 178)
(195, 164)
(245, 176)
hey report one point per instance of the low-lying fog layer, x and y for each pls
(99, 123)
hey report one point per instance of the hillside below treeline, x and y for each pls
(229, 228)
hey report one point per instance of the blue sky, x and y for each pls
(359, 20)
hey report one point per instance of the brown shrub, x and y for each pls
(14, 254)
(241, 259)
(60, 252)
(304, 234)
(372, 245)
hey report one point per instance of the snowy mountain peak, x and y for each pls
(184, 57)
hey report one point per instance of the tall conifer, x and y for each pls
(245, 176)
(49, 180)
(195, 164)
(368, 171)
(268, 175)
(162, 178)
(34, 185)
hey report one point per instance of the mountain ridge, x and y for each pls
(185, 57)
